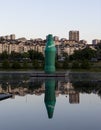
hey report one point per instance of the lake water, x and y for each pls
(71, 103)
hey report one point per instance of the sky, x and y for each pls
(38, 18)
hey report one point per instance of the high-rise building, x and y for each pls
(74, 35)
(12, 36)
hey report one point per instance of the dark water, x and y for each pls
(72, 103)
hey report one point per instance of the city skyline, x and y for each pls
(37, 18)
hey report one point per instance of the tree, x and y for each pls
(85, 64)
(25, 65)
(65, 64)
(58, 64)
(6, 64)
(15, 56)
(36, 64)
(75, 65)
(16, 65)
(35, 55)
(88, 53)
(84, 54)
(31, 54)
(25, 55)
(4, 55)
(65, 55)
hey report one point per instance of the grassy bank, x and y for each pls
(28, 66)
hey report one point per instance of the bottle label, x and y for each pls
(51, 46)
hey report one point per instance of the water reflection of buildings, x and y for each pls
(22, 87)
(37, 87)
(74, 97)
(68, 89)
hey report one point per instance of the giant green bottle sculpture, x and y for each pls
(50, 98)
(50, 53)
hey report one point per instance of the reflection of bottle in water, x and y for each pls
(50, 53)
(50, 98)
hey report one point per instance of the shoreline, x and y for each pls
(39, 71)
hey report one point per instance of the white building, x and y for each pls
(96, 41)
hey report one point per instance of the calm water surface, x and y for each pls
(73, 103)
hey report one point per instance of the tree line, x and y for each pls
(34, 59)
(30, 59)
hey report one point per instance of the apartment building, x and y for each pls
(23, 45)
(74, 35)
(96, 41)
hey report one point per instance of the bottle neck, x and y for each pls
(50, 41)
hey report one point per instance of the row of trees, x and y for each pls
(87, 53)
(34, 59)
(26, 60)
(31, 54)
(80, 58)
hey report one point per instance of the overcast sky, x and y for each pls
(37, 18)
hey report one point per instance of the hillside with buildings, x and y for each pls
(10, 44)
